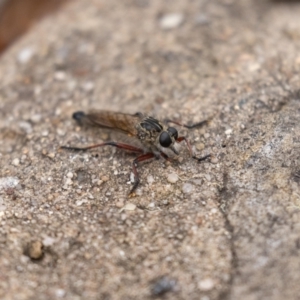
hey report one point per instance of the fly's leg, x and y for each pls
(183, 138)
(114, 144)
(165, 156)
(196, 125)
(120, 146)
(134, 169)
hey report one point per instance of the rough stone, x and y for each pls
(235, 235)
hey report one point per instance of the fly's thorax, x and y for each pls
(155, 135)
(149, 130)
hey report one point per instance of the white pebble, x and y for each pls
(60, 293)
(60, 132)
(60, 75)
(128, 206)
(8, 182)
(16, 162)
(48, 241)
(25, 55)
(36, 118)
(26, 126)
(228, 131)
(79, 203)
(171, 21)
(88, 86)
(206, 284)
(150, 179)
(70, 175)
(68, 181)
(151, 205)
(172, 178)
(165, 202)
(187, 188)
(214, 160)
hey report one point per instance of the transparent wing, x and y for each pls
(125, 123)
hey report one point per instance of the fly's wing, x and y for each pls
(125, 123)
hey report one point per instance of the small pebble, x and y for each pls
(206, 284)
(228, 131)
(68, 181)
(120, 204)
(60, 293)
(200, 146)
(165, 202)
(213, 210)
(60, 76)
(180, 159)
(254, 67)
(36, 118)
(151, 205)
(172, 178)
(35, 250)
(88, 86)
(150, 179)
(25, 55)
(8, 182)
(51, 155)
(171, 21)
(214, 160)
(16, 162)
(187, 188)
(80, 202)
(128, 206)
(163, 285)
(60, 132)
(70, 175)
(26, 126)
(48, 241)
(104, 178)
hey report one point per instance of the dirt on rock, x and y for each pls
(227, 228)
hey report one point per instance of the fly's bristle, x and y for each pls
(78, 115)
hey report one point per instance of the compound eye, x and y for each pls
(173, 132)
(165, 139)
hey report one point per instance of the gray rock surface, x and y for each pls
(225, 229)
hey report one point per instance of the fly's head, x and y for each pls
(153, 134)
(168, 137)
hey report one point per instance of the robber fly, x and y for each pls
(154, 136)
